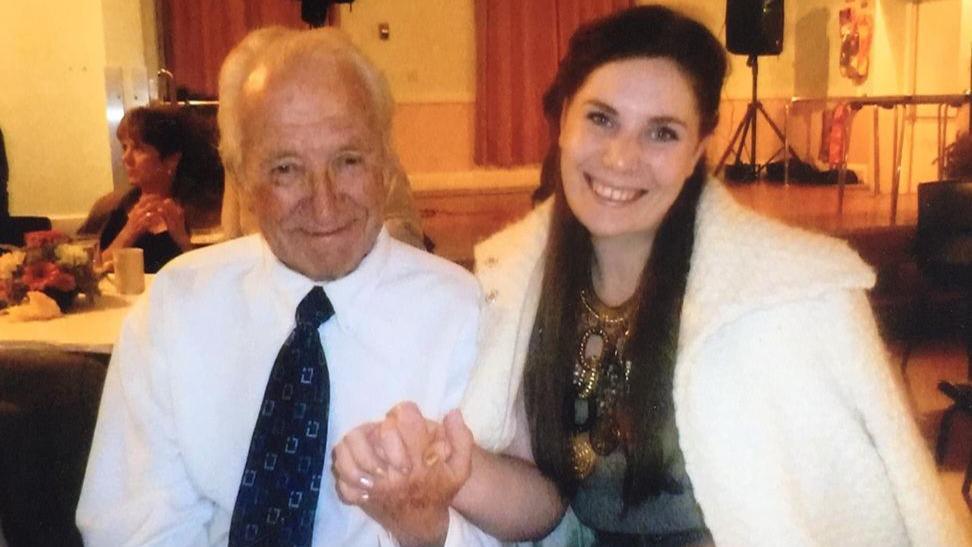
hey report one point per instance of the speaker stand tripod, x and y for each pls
(747, 128)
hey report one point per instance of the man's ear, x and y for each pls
(245, 191)
(234, 179)
(391, 168)
(231, 178)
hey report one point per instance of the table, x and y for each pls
(88, 330)
(51, 375)
(896, 104)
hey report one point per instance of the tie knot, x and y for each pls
(314, 309)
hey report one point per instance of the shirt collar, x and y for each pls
(348, 294)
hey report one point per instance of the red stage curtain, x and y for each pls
(518, 46)
(198, 35)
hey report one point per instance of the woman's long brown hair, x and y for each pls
(646, 31)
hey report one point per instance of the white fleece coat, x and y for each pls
(793, 427)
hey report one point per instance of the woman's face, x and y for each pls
(144, 168)
(629, 138)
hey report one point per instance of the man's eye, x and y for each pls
(350, 160)
(284, 172)
(347, 163)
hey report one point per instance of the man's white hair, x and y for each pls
(278, 48)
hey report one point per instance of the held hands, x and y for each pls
(405, 471)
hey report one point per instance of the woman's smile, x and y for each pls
(612, 195)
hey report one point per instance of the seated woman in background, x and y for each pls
(171, 160)
(685, 371)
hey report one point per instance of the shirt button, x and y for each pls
(491, 296)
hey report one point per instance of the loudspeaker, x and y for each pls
(315, 12)
(754, 27)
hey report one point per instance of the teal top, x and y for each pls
(598, 502)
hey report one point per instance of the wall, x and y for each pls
(814, 39)
(810, 42)
(965, 43)
(430, 62)
(58, 111)
(128, 78)
(938, 24)
(52, 109)
(912, 42)
(431, 68)
(57, 52)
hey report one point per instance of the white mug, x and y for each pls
(129, 270)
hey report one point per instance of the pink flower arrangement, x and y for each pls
(45, 238)
(48, 263)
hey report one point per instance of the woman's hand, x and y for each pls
(506, 495)
(405, 471)
(151, 214)
(175, 220)
(143, 217)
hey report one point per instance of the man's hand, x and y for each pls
(405, 471)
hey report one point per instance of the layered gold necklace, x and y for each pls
(600, 379)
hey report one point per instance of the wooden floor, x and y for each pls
(816, 207)
(457, 220)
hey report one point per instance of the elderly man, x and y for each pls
(401, 218)
(220, 408)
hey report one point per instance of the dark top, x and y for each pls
(158, 249)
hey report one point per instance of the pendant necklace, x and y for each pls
(600, 379)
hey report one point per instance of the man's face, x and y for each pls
(312, 163)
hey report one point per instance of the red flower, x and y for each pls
(36, 240)
(45, 274)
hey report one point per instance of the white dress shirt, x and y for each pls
(188, 374)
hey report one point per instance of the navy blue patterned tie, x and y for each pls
(282, 478)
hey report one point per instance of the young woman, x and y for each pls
(685, 371)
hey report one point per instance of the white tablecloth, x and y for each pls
(89, 329)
